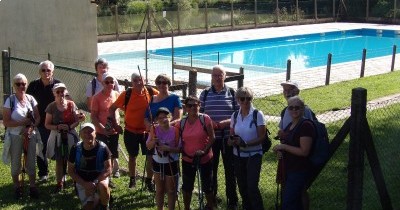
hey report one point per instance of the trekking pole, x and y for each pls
(198, 169)
(151, 122)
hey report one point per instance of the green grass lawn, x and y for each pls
(329, 190)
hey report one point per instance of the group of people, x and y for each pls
(221, 122)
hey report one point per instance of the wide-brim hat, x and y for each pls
(291, 83)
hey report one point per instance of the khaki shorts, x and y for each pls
(84, 198)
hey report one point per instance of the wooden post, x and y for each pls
(193, 82)
(288, 69)
(364, 55)
(315, 10)
(356, 149)
(232, 20)
(297, 11)
(255, 14)
(48, 56)
(328, 69)
(6, 74)
(206, 17)
(367, 11)
(333, 8)
(393, 57)
(240, 82)
(277, 11)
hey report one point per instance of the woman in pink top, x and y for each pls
(197, 138)
(105, 131)
(165, 139)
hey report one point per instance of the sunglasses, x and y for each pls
(46, 70)
(294, 108)
(161, 82)
(245, 98)
(218, 75)
(191, 105)
(109, 82)
(18, 84)
(60, 91)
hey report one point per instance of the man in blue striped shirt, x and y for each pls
(218, 101)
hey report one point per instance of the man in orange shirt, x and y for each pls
(135, 101)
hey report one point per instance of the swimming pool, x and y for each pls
(263, 57)
(304, 51)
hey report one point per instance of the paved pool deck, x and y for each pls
(271, 84)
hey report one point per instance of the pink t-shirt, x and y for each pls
(194, 138)
(100, 105)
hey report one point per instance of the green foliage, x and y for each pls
(136, 7)
(381, 9)
(185, 5)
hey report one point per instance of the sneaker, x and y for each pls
(34, 193)
(132, 183)
(149, 185)
(18, 193)
(43, 178)
(117, 174)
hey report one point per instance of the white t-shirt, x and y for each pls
(99, 87)
(247, 131)
(19, 111)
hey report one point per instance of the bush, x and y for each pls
(139, 7)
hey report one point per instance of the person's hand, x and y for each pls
(199, 153)
(62, 127)
(81, 117)
(119, 129)
(279, 148)
(163, 148)
(282, 134)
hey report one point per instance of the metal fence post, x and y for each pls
(6, 64)
(206, 16)
(255, 13)
(328, 69)
(393, 57)
(356, 148)
(364, 55)
(288, 69)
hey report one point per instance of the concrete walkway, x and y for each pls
(268, 85)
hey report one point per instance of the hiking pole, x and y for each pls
(151, 122)
(198, 169)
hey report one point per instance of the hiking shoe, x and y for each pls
(43, 178)
(117, 174)
(34, 193)
(132, 183)
(149, 185)
(18, 193)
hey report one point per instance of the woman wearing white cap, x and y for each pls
(61, 119)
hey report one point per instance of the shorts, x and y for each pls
(132, 142)
(83, 197)
(111, 142)
(189, 173)
(167, 169)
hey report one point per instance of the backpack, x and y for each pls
(206, 90)
(319, 154)
(266, 143)
(99, 156)
(129, 92)
(182, 126)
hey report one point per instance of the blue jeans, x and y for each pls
(295, 183)
(247, 171)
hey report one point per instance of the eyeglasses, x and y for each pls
(46, 70)
(191, 105)
(137, 80)
(245, 98)
(161, 82)
(18, 84)
(294, 108)
(60, 91)
(109, 82)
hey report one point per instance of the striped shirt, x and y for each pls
(218, 105)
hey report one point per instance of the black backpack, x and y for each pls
(319, 153)
(266, 143)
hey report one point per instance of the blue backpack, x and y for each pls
(99, 156)
(319, 154)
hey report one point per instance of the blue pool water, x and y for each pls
(304, 51)
(268, 56)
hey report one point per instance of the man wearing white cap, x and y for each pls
(89, 165)
(290, 89)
